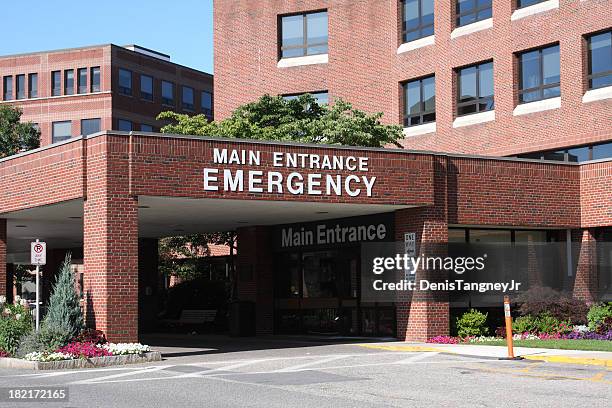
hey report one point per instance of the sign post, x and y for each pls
(509, 340)
(38, 255)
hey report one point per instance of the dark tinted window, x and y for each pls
(95, 79)
(525, 3)
(56, 83)
(8, 88)
(20, 86)
(61, 131)
(475, 85)
(600, 60)
(89, 126)
(419, 101)
(146, 87)
(124, 125)
(82, 80)
(206, 102)
(303, 34)
(69, 82)
(578, 154)
(125, 82)
(602, 151)
(187, 99)
(471, 11)
(33, 85)
(540, 74)
(167, 93)
(146, 128)
(321, 97)
(418, 19)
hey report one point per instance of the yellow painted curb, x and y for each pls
(405, 348)
(572, 360)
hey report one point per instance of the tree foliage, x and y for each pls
(64, 310)
(300, 120)
(14, 135)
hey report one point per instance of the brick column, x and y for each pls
(255, 274)
(585, 284)
(111, 242)
(425, 315)
(4, 287)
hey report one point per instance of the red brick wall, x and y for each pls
(3, 243)
(596, 194)
(365, 68)
(110, 242)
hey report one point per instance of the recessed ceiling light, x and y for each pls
(21, 226)
(144, 206)
(75, 218)
(322, 212)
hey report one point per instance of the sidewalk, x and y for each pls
(599, 358)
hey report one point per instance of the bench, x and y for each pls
(194, 316)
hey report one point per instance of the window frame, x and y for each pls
(187, 106)
(125, 121)
(305, 45)
(540, 88)
(420, 27)
(66, 87)
(125, 91)
(519, 6)
(92, 76)
(590, 75)
(53, 131)
(79, 85)
(422, 112)
(30, 77)
(479, 99)
(20, 89)
(146, 96)
(207, 111)
(5, 80)
(473, 11)
(56, 91)
(91, 119)
(165, 101)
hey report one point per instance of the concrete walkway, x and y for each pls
(599, 358)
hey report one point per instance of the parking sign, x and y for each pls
(38, 253)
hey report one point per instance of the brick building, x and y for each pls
(85, 90)
(543, 67)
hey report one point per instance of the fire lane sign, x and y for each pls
(38, 253)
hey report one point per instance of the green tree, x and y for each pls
(14, 135)
(64, 310)
(300, 120)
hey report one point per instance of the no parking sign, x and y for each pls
(38, 253)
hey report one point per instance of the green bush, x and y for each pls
(598, 313)
(15, 321)
(64, 304)
(472, 323)
(46, 339)
(525, 324)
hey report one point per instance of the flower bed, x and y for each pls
(76, 350)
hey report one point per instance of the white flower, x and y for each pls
(581, 329)
(2, 299)
(24, 302)
(126, 348)
(18, 316)
(38, 356)
(7, 311)
(17, 299)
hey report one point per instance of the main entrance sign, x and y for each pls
(305, 174)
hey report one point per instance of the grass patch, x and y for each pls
(587, 345)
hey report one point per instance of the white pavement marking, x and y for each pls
(300, 367)
(417, 357)
(108, 377)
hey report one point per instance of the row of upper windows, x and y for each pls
(539, 79)
(125, 87)
(20, 90)
(62, 130)
(574, 154)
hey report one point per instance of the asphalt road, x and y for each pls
(316, 375)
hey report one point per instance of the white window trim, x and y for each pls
(597, 94)
(472, 28)
(420, 129)
(534, 9)
(299, 61)
(474, 119)
(537, 106)
(415, 44)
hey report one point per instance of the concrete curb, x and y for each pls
(81, 363)
(572, 360)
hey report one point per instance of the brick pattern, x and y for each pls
(586, 281)
(110, 242)
(364, 68)
(3, 272)
(596, 194)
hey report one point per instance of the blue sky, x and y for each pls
(180, 28)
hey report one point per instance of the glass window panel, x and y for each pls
(551, 65)
(89, 126)
(429, 93)
(427, 31)
(525, 3)
(69, 82)
(146, 87)
(61, 131)
(20, 86)
(602, 151)
(206, 101)
(530, 69)
(316, 24)
(146, 128)
(551, 92)
(456, 235)
(484, 14)
(600, 47)
(95, 79)
(464, 6)
(124, 125)
(602, 81)
(467, 109)
(33, 85)
(293, 52)
(8, 88)
(429, 117)
(490, 236)
(82, 80)
(413, 94)
(293, 30)
(187, 97)
(167, 93)
(530, 96)
(411, 14)
(125, 82)
(467, 84)
(427, 11)
(558, 155)
(319, 49)
(530, 236)
(321, 97)
(578, 154)
(486, 79)
(56, 83)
